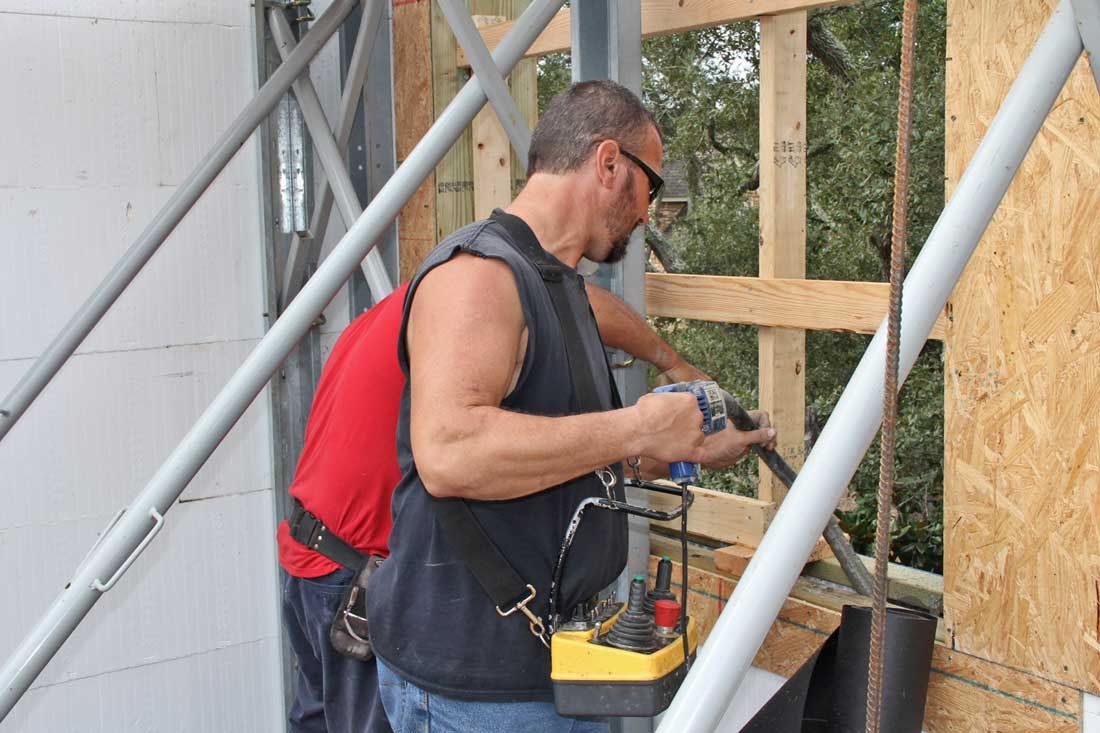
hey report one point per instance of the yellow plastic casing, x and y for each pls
(573, 658)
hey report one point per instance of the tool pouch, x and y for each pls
(348, 634)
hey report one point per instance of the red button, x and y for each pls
(666, 613)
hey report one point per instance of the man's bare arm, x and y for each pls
(622, 328)
(465, 342)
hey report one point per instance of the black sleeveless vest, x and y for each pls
(429, 619)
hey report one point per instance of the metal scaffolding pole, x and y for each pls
(759, 596)
(492, 81)
(90, 313)
(134, 528)
(328, 151)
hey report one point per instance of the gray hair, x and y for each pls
(580, 118)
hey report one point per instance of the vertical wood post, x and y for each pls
(414, 114)
(783, 228)
(492, 170)
(457, 174)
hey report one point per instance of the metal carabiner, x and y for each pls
(538, 630)
(608, 478)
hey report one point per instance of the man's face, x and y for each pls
(621, 219)
(629, 207)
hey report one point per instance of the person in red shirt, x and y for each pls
(345, 478)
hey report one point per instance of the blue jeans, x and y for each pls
(413, 710)
(333, 693)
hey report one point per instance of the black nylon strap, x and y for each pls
(585, 397)
(310, 531)
(490, 568)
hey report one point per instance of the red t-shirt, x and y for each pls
(348, 467)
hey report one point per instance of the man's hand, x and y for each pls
(671, 426)
(725, 448)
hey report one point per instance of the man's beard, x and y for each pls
(620, 225)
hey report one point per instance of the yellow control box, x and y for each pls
(592, 678)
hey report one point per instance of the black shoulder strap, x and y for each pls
(585, 397)
(467, 537)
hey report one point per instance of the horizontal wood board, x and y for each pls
(727, 518)
(660, 18)
(816, 305)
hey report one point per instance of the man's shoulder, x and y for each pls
(484, 237)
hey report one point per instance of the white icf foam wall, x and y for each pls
(107, 106)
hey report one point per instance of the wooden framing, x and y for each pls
(413, 110)
(782, 372)
(455, 197)
(492, 170)
(662, 18)
(815, 305)
(965, 693)
(724, 517)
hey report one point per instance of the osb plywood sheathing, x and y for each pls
(1022, 464)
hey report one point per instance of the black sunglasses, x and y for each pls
(655, 181)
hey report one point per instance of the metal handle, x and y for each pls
(158, 524)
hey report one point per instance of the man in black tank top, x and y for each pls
(509, 411)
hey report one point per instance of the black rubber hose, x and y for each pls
(849, 561)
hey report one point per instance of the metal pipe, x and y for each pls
(492, 81)
(759, 596)
(122, 541)
(77, 329)
(1087, 15)
(303, 251)
(332, 159)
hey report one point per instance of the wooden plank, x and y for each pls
(455, 174)
(727, 518)
(815, 305)
(661, 18)
(783, 231)
(1022, 462)
(733, 559)
(413, 114)
(454, 184)
(523, 82)
(811, 590)
(908, 586)
(491, 157)
(965, 693)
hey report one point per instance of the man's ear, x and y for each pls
(605, 160)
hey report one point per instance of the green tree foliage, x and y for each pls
(703, 88)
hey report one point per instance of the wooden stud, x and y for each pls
(783, 230)
(454, 185)
(414, 115)
(455, 174)
(662, 18)
(817, 305)
(492, 171)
